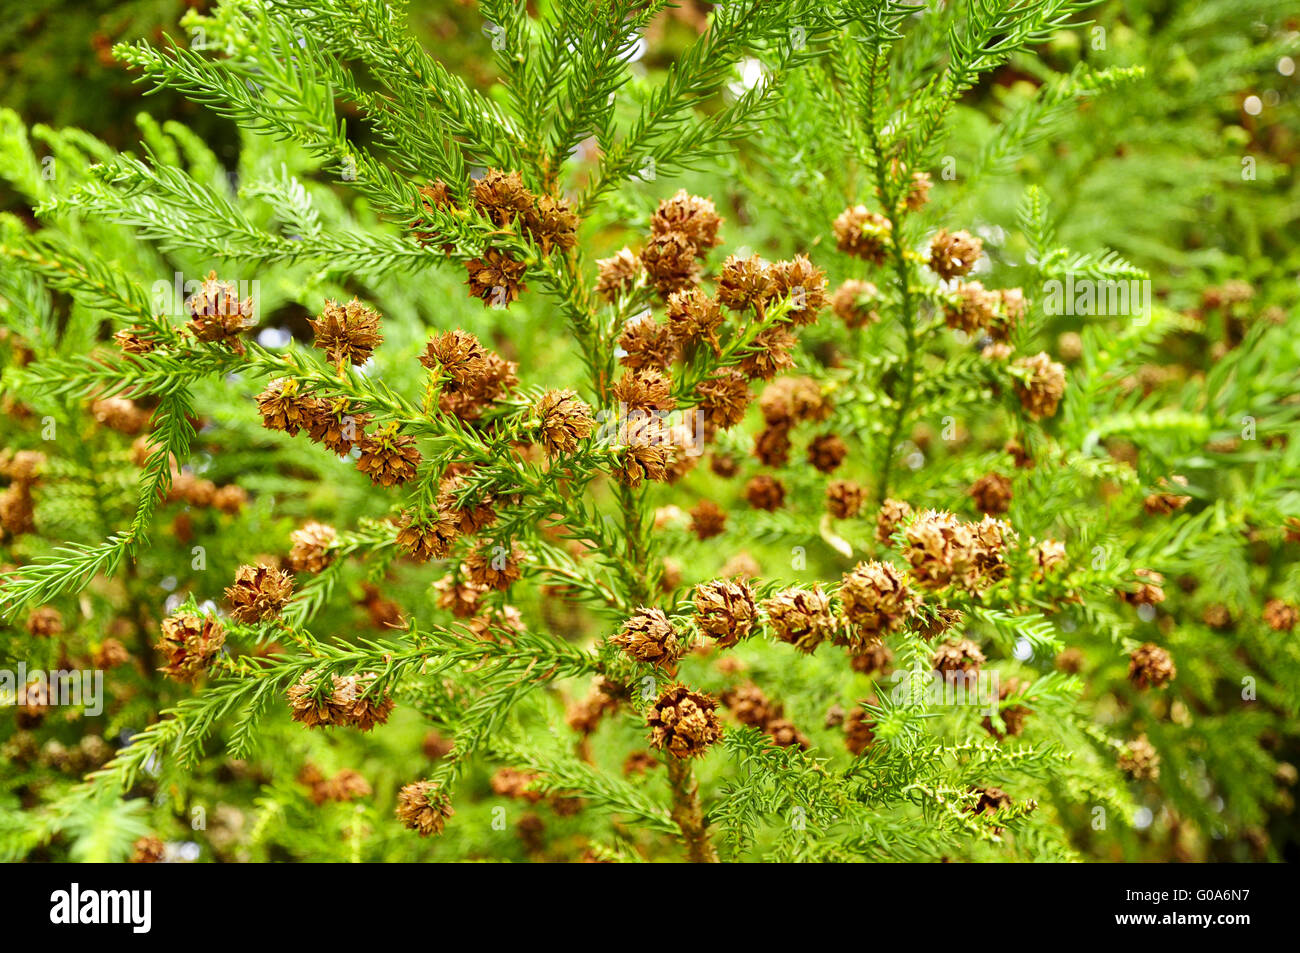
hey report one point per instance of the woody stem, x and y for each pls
(688, 813)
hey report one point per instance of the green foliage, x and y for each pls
(1083, 145)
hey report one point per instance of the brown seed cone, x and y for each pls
(584, 716)
(639, 461)
(120, 414)
(769, 354)
(723, 398)
(552, 223)
(496, 279)
(745, 282)
(311, 547)
(230, 498)
(937, 622)
(1013, 716)
(217, 316)
(473, 511)
(433, 196)
(1045, 388)
(971, 308)
(1149, 591)
(683, 722)
(459, 596)
(132, 341)
(725, 611)
(645, 389)
(1139, 759)
(958, 655)
(647, 344)
(694, 318)
(564, 421)
(707, 519)
(388, 457)
(844, 499)
(772, 446)
(765, 492)
(426, 536)
(1047, 555)
(989, 800)
(871, 659)
(649, 637)
(618, 274)
(458, 357)
(918, 191)
(501, 197)
(863, 234)
(330, 709)
(1280, 616)
(24, 466)
(259, 592)
(369, 708)
(791, 399)
(334, 423)
(639, 762)
(347, 333)
(801, 617)
(423, 808)
(689, 215)
(148, 850)
(669, 262)
(110, 654)
(44, 622)
(285, 406)
(890, 518)
(784, 732)
(991, 493)
(750, 706)
(804, 284)
(1151, 666)
(953, 254)
(511, 782)
(826, 452)
(876, 599)
(495, 567)
(189, 642)
(859, 731)
(852, 303)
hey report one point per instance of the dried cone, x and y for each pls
(496, 279)
(765, 492)
(801, 617)
(992, 494)
(691, 216)
(959, 655)
(953, 254)
(495, 567)
(189, 643)
(648, 636)
(1151, 666)
(423, 808)
(1045, 387)
(852, 303)
(844, 499)
(564, 421)
(683, 722)
(425, 536)
(311, 547)
(618, 274)
(859, 731)
(389, 458)
(1140, 760)
(347, 333)
(285, 407)
(707, 519)
(725, 611)
(259, 592)
(863, 234)
(217, 316)
(875, 599)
